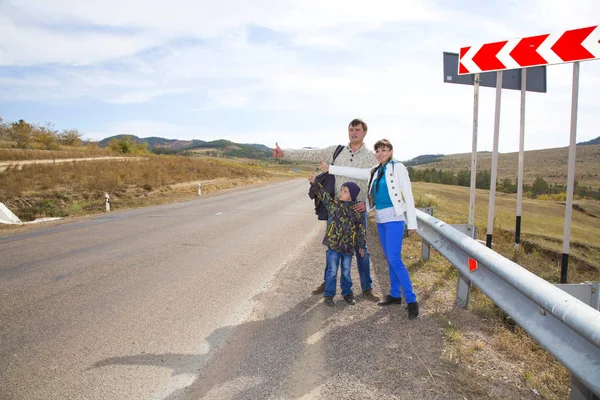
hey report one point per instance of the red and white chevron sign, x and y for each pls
(575, 45)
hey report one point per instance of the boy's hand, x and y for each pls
(361, 252)
(311, 179)
(324, 167)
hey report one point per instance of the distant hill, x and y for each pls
(216, 147)
(549, 164)
(589, 142)
(424, 159)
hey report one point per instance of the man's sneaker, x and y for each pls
(390, 300)
(329, 300)
(350, 299)
(413, 310)
(370, 295)
(320, 289)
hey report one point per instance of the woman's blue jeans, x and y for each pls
(390, 236)
(334, 260)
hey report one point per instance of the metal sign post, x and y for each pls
(474, 151)
(521, 159)
(571, 175)
(492, 200)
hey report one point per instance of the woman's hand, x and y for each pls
(361, 252)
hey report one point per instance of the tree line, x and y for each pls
(28, 136)
(483, 181)
(24, 135)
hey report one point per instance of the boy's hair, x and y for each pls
(356, 122)
(382, 144)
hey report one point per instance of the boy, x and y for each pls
(345, 231)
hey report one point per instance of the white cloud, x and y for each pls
(27, 45)
(320, 62)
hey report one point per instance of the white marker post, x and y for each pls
(107, 201)
(474, 150)
(490, 227)
(199, 190)
(571, 175)
(521, 159)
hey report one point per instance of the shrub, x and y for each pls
(426, 200)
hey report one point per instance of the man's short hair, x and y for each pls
(356, 122)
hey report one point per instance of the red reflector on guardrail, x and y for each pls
(472, 264)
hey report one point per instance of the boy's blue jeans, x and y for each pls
(391, 235)
(334, 259)
(362, 263)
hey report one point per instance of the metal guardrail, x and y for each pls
(565, 326)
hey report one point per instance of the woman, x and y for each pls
(391, 194)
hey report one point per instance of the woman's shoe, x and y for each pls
(390, 300)
(413, 310)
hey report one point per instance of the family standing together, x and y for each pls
(365, 180)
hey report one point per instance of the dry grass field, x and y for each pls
(8, 154)
(481, 348)
(549, 164)
(78, 188)
(541, 229)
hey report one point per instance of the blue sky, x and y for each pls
(295, 72)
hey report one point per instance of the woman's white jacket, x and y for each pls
(398, 184)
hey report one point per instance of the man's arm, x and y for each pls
(306, 155)
(349, 172)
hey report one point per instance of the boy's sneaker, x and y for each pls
(413, 310)
(390, 300)
(350, 299)
(329, 300)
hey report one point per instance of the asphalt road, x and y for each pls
(92, 309)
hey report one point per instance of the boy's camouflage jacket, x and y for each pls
(345, 227)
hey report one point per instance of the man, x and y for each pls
(355, 154)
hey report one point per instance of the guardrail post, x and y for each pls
(463, 286)
(199, 189)
(107, 201)
(425, 247)
(586, 292)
